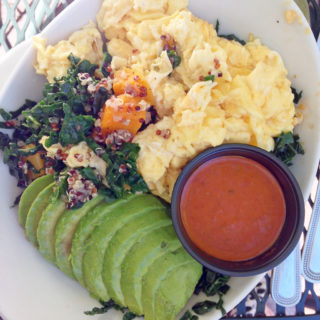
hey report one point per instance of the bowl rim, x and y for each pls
(219, 151)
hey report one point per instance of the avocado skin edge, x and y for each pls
(29, 195)
(35, 212)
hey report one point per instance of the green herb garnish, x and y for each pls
(174, 58)
(228, 36)
(287, 145)
(297, 95)
(208, 78)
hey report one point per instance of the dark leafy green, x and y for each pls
(287, 145)
(122, 173)
(204, 307)
(74, 127)
(212, 283)
(228, 36)
(108, 305)
(174, 58)
(188, 316)
(208, 78)
(297, 95)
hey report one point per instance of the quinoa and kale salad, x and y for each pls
(126, 107)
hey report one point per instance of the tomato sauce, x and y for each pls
(233, 208)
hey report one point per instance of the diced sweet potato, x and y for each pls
(129, 81)
(123, 112)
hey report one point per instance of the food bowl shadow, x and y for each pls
(290, 233)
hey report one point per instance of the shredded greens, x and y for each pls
(228, 36)
(66, 115)
(287, 145)
(108, 305)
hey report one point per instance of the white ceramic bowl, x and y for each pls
(31, 288)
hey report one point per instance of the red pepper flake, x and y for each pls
(111, 75)
(167, 134)
(64, 156)
(141, 120)
(136, 78)
(109, 69)
(134, 51)
(201, 78)
(158, 132)
(216, 63)
(209, 72)
(143, 92)
(129, 109)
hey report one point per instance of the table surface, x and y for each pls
(21, 19)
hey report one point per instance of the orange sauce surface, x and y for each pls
(233, 208)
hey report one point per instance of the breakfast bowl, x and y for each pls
(237, 209)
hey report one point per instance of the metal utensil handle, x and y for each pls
(311, 251)
(286, 280)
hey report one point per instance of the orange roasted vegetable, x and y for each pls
(37, 162)
(124, 112)
(131, 82)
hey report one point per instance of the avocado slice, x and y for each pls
(175, 290)
(136, 264)
(46, 227)
(157, 272)
(64, 232)
(98, 242)
(84, 229)
(35, 212)
(121, 243)
(30, 194)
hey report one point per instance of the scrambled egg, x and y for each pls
(250, 100)
(52, 61)
(78, 156)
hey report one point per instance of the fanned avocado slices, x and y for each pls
(136, 264)
(35, 212)
(121, 244)
(83, 231)
(100, 238)
(175, 290)
(30, 194)
(65, 230)
(157, 273)
(46, 227)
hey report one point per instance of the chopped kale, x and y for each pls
(228, 36)
(208, 78)
(297, 95)
(212, 283)
(174, 58)
(122, 174)
(89, 174)
(204, 307)
(74, 127)
(287, 145)
(108, 305)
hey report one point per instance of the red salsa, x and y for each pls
(233, 208)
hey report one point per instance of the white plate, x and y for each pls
(31, 288)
